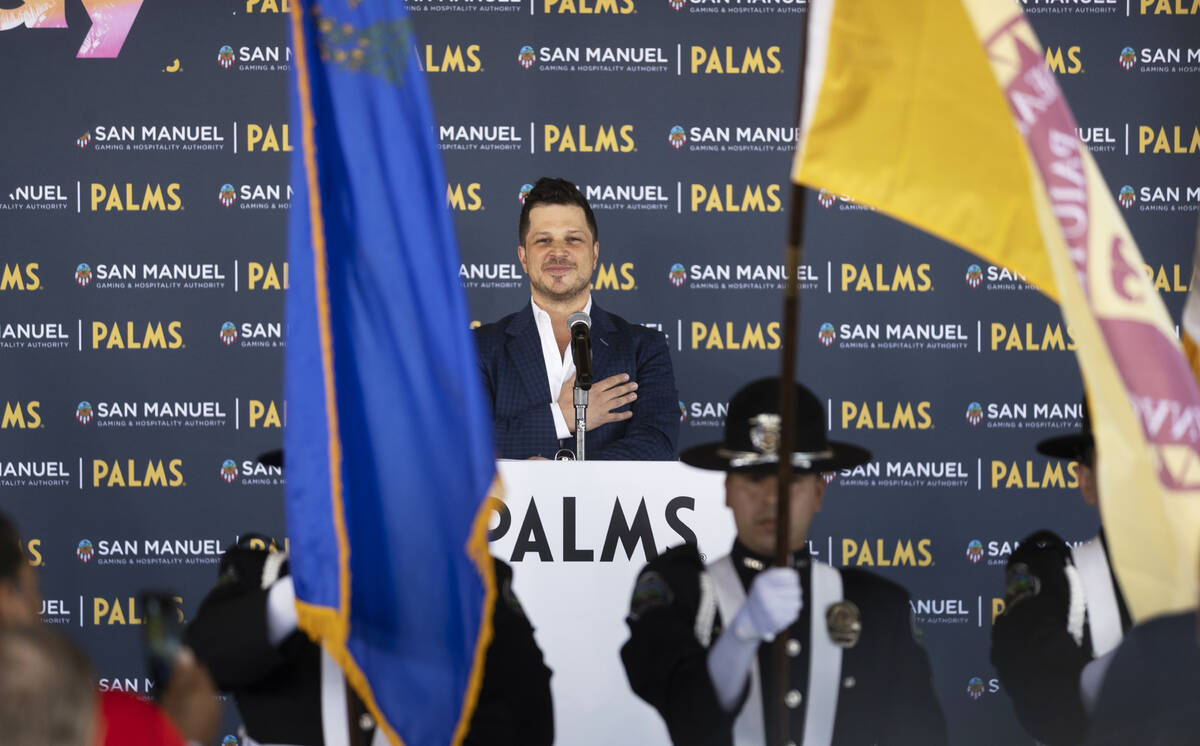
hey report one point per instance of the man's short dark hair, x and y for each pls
(551, 191)
(11, 553)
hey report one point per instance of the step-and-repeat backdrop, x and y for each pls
(143, 201)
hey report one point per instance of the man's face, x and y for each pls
(559, 253)
(752, 497)
(1085, 474)
(1087, 484)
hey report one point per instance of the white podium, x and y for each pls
(568, 529)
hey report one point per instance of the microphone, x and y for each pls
(581, 348)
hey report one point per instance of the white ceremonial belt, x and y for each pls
(824, 661)
(1100, 597)
(335, 716)
(748, 728)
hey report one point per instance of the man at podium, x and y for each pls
(529, 371)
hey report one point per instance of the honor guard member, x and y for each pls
(289, 691)
(698, 647)
(1064, 615)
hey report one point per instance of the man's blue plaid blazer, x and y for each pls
(514, 375)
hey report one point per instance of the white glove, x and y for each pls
(774, 603)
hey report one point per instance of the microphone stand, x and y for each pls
(581, 351)
(581, 402)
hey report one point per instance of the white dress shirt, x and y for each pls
(559, 368)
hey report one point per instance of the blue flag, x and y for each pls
(388, 439)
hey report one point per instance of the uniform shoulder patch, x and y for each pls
(1020, 583)
(1037, 569)
(651, 592)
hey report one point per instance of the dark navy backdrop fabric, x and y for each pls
(134, 411)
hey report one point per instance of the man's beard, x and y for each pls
(564, 295)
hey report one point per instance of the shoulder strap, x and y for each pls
(748, 728)
(1104, 618)
(825, 657)
(824, 660)
(334, 715)
(706, 611)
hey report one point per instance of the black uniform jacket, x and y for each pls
(1037, 660)
(886, 689)
(278, 689)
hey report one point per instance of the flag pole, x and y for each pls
(787, 394)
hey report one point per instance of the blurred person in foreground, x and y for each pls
(47, 695)
(289, 691)
(1151, 693)
(190, 711)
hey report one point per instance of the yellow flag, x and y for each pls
(943, 114)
